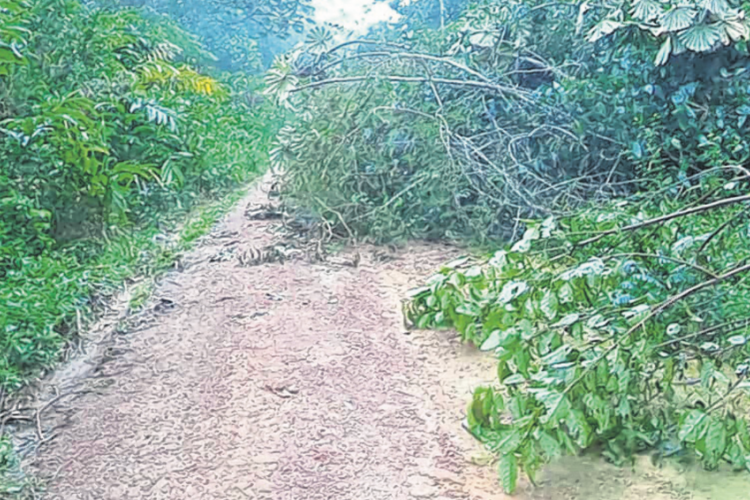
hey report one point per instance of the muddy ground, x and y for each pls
(246, 379)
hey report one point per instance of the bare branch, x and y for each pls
(664, 218)
(407, 55)
(416, 79)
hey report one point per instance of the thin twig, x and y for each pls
(658, 310)
(406, 55)
(664, 218)
(702, 269)
(732, 325)
(718, 231)
(730, 390)
(366, 42)
(414, 79)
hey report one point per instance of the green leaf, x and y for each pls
(469, 309)
(508, 444)
(418, 292)
(701, 37)
(549, 445)
(558, 407)
(677, 19)
(736, 456)
(737, 340)
(714, 6)
(559, 355)
(526, 328)
(499, 259)
(664, 52)
(492, 342)
(567, 320)
(716, 440)
(512, 290)
(508, 471)
(566, 293)
(579, 427)
(692, 426)
(548, 305)
(646, 10)
(514, 379)
(733, 30)
(604, 28)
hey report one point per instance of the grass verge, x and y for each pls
(54, 297)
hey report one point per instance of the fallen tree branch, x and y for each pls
(658, 310)
(414, 79)
(407, 55)
(664, 218)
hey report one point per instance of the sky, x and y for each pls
(354, 15)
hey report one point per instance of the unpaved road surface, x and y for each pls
(293, 381)
(275, 381)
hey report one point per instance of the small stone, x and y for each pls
(422, 491)
(266, 459)
(263, 486)
(422, 487)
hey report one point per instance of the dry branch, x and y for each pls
(415, 79)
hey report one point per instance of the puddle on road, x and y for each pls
(590, 478)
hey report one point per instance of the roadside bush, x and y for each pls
(106, 132)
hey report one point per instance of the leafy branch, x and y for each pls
(625, 349)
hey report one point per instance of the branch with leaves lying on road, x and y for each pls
(634, 339)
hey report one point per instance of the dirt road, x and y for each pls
(293, 381)
(279, 381)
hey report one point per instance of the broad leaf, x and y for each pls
(714, 6)
(508, 471)
(664, 52)
(549, 445)
(701, 37)
(677, 19)
(733, 30)
(604, 28)
(492, 342)
(548, 305)
(692, 426)
(716, 440)
(646, 10)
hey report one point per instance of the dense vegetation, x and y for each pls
(624, 327)
(242, 35)
(511, 110)
(607, 142)
(107, 132)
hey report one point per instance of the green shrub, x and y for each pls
(107, 132)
